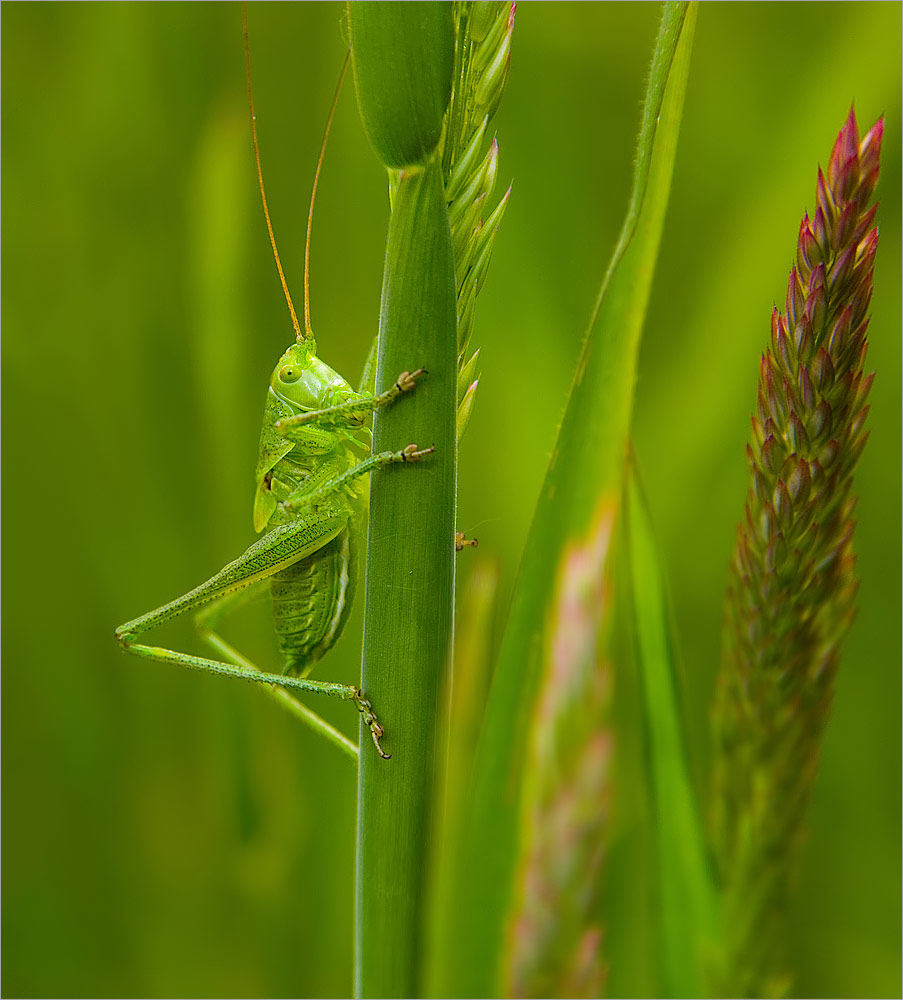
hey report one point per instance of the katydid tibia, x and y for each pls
(311, 499)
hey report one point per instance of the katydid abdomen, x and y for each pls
(312, 600)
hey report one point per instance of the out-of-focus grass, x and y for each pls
(179, 835)
(543, 761)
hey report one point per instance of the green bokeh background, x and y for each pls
(177, 835)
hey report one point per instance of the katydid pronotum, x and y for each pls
(312, 495)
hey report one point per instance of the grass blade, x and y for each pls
(465, 702)
(686, 893)
(572, 526)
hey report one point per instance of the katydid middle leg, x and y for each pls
(305, 497)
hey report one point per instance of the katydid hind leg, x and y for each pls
(208, 616)
(279, 547)
(224, 590)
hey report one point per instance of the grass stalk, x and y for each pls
(438, 254)
(409, 592)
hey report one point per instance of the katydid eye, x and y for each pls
(289, 373)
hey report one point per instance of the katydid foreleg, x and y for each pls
(353, 411)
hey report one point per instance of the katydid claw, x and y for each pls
(461, 541)
(413, 454)
(407, 380)
(376, 730)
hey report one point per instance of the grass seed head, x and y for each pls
(791, 590)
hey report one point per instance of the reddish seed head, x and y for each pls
(775, 321)
(808, 252)
(842, 269)
(863, 224)
(783, 506)
(782, 345)
(820, 229)
(846, 225)
(793, 304)
(828, 454)
(823, 194)
(847, 180)
(841, 331)
(816, 305)
(846, 147)
(870, 157)
(869, 247)
(799, 482)
(817, 279)
(860, 301)
(864, 388)
(871, 144)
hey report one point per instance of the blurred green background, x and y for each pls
(169, 834)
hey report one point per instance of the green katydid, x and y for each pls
(312, 497)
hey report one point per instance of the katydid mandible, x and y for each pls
(312, 496)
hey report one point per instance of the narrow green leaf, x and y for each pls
(686, 889)
(465, 701)
(568, 543)
(409, 590)
(403, 60)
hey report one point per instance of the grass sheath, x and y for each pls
(403, 55)
(792, 585)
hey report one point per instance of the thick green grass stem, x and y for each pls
(408, 611)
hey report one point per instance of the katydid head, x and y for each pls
(305, 383)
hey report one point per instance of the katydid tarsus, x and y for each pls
(312, 494)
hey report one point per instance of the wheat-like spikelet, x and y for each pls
(792, 586)
(482, 50)
(483, 30)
